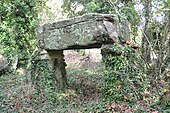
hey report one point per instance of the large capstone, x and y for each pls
(87, 31)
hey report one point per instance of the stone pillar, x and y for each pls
(109, 50)
(58, 64)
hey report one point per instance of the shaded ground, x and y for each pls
(82, 96)
(16, 96)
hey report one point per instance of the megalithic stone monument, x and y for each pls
(83, 32)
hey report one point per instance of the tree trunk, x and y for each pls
(145, 47)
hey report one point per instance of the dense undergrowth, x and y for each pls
(122, 88)
(128, 79)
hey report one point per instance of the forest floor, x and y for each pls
(83, 95)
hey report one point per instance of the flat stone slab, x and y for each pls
(83, 32)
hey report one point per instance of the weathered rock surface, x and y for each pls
(87, 31)
(4, 65)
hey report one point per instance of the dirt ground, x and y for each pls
(74, 60)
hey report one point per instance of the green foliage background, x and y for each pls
(18, 19)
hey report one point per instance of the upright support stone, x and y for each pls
(58, 64)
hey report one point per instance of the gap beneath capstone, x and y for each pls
(82, 58)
